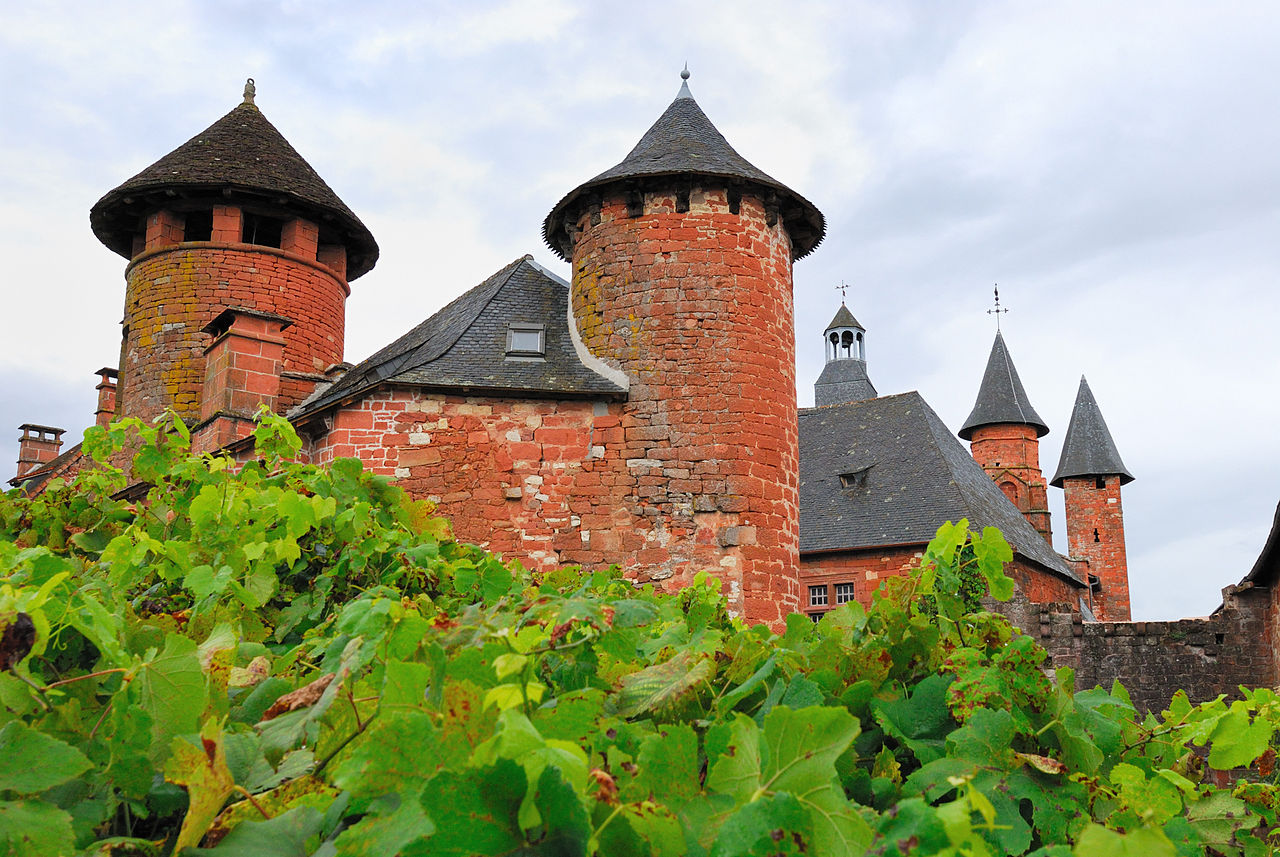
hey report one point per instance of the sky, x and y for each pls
(1111, 165)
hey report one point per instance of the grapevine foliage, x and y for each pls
(286, 659)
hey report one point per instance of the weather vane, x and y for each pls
(842, 288)
(998, 309)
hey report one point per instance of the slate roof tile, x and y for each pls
(684, 142)
(244, 152)
(912, 476)
(1001, 398)
(1088, 449)
(463, 346)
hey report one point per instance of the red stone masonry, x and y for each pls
(175, 289)
(1095, 534)
(242, 373)
(867, 569)
(1010, 454)
(696, 308)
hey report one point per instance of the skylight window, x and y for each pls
(526, 340)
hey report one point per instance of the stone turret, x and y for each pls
(682, 282)
(844, 378)
(234, 217)
(1090, 474)
(1004, 434)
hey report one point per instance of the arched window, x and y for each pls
(846, 344)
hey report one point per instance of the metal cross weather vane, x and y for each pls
(998, 309)
(842, 288)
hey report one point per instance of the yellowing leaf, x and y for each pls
(203, 771)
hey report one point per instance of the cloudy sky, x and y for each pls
(1112, 165)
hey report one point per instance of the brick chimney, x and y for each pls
(37, 447)
(243, 363)
(106, 410)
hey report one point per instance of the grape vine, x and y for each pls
(278, 658)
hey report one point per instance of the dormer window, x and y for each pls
(526, 341)
(854, 479)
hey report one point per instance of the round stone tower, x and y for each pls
(682, 261)
(232, 219)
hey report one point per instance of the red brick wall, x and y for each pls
(1011, 456)
(533, 480)
(174, 291)
(1095, 533)
(866, 569)
(696, 308)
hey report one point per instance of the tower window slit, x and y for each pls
(261, 230)
(1100, 482)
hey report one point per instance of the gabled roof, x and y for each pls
(844, 318)
(31, 482)
(1267, 568)
(1001, 399)
(908, 474)
(1088, 449)
(683, 142)
(463, 346)
(242, 153)
(843, 381)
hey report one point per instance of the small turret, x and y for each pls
(844, 378)
(233, 217)
(1090, 474)
(1004, 433)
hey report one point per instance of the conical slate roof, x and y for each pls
(241, 156)
(1088, 449)
(844, 318)
(684, 142)
(1001, 399)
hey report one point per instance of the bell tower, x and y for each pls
(844, 377)
(235, 219)
(681, 281)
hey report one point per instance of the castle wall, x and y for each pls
(172, 292)
(1205, 657)
(695, 306)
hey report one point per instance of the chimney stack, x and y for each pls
(37, 447)
(106, 411)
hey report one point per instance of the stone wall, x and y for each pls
(549, 482)
(1205, 657)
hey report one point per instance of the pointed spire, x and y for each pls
(1088, 449)
(684, 144)
(844, 318)
(684, 85)
(244, 155)
(1001, 398)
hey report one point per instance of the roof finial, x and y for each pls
(684, 85)
(842, 288)
(998, 309)
(249, 91)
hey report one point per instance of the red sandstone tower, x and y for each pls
(1004, 432)
(1090, 473)
(682, 284)
(233, 219)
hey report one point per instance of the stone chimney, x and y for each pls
(243, 363)
(106, 411)
(37, 447)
